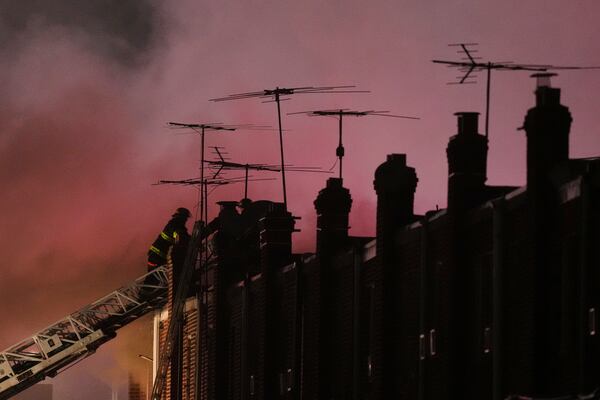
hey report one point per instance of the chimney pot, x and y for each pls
(543, 79)
(467, 122)
(334, 182)
(545, 94)
(397, 157)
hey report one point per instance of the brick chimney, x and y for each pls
(467, 164)
(547, 127)
(395, 184)
(333, 206)
(276, 229)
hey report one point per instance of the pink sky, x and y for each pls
(84, 137)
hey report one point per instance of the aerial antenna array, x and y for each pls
(224, 164)
(202, 128)
(470, 63)
(340, 113)
(278, 95)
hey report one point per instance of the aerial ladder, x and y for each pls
(78, 335)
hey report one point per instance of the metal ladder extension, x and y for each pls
(78, 335)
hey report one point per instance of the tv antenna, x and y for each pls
(202, 129)
(224, 164)
(339, 151)
(276, 96)
(208, 182)
(470, 64)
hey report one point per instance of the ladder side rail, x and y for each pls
(18, 382)
(122, 301)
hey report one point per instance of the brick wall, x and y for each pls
(519, 304)
(185, 360)
(372, 330)
(310, 340)
(256, 337)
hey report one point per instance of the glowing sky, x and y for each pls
(86, 89)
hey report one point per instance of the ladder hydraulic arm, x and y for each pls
(77, 336)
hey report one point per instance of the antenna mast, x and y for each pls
(276, 95)
(339, 151)
(223, 164)
(471, 63)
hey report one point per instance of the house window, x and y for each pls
(432, 342)
(422, 347)
(285, 382)
(370, 309)
(290, 380)
(252, 390)
(487, 340)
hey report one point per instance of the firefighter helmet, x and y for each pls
(182, 212)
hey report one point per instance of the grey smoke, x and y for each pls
(124, 30)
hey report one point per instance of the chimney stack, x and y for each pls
(547, 126)
(276, 229)
(333, 206)
(395, 184)
(467, 164)
(226, 240)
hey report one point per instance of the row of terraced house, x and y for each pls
(495, 296)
